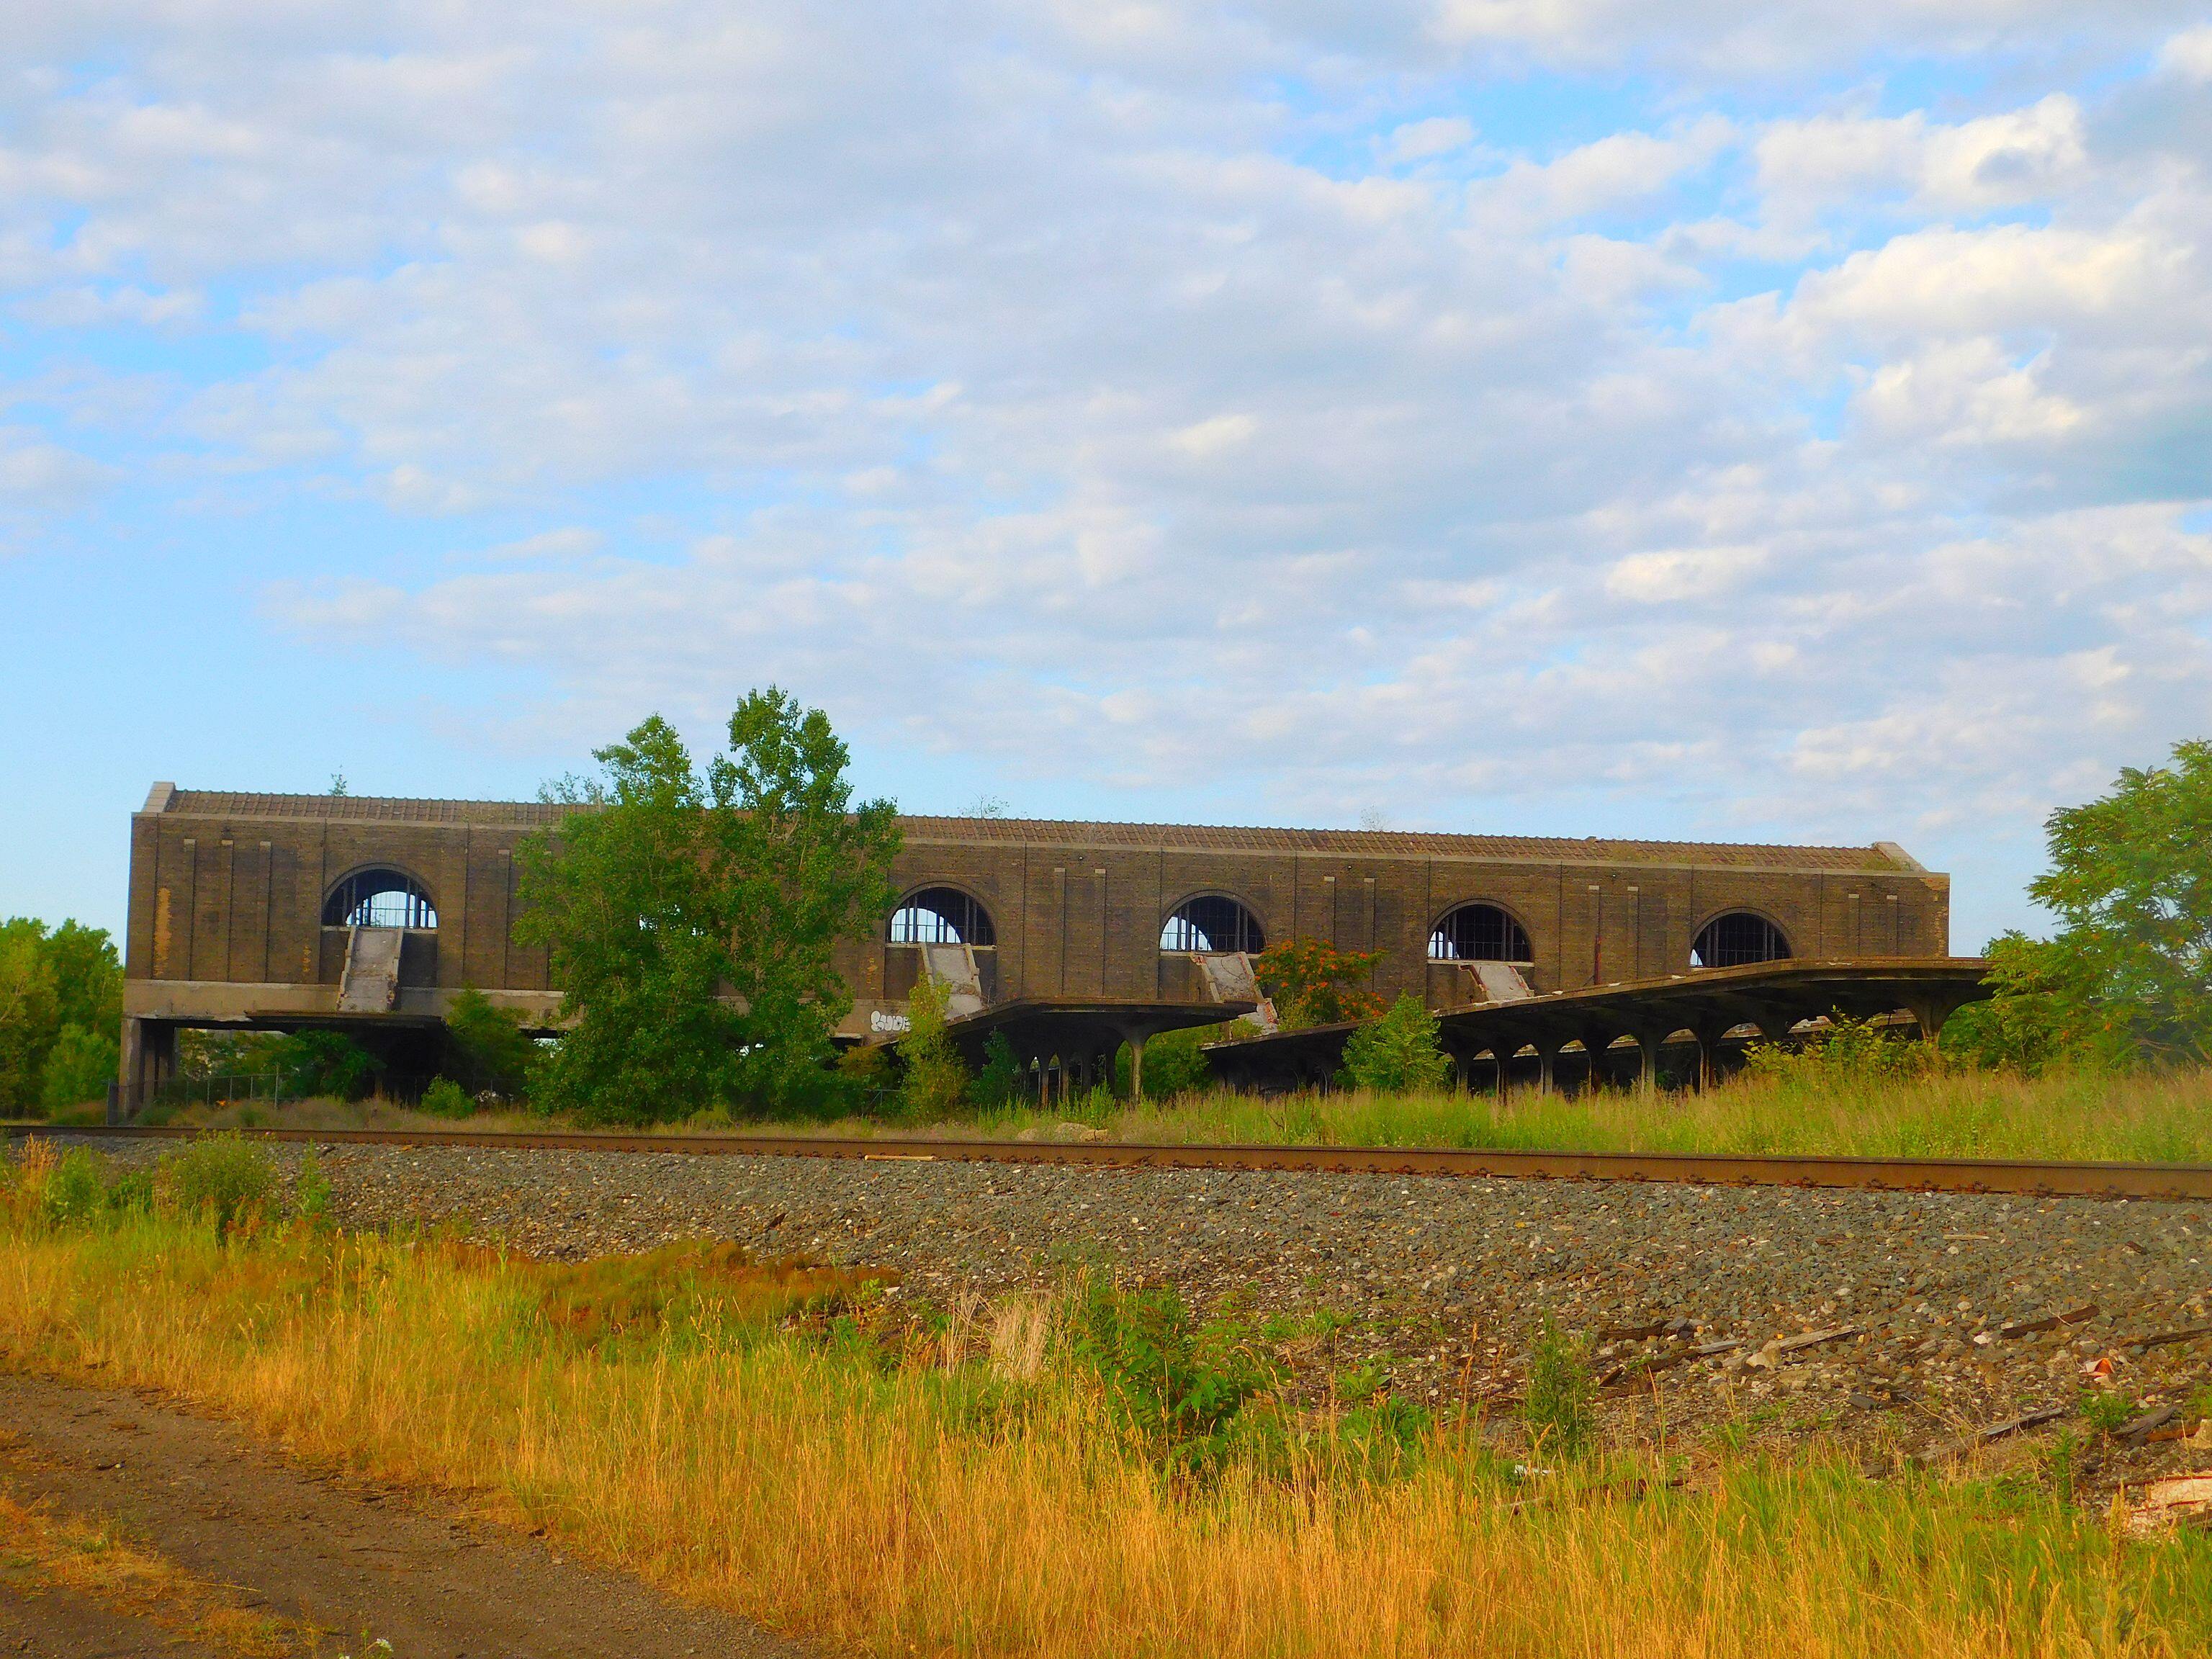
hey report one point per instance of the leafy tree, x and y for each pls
(937, 1081)
(2127, 978)
(692, 922)
(1399, 1052)
(621, 896)
(87, 977)
(51, 982)
(79, 1067)
(488, 1049)
(802, 866)
(29, 1015)
(1312, 982)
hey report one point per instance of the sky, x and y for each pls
(1715, 420)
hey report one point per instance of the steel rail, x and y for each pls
(1908, 1174)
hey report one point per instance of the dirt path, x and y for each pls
(207, 1512)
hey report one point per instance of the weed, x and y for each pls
(447, 1099)
(311, 1192)
(222, 1178)
(1558, 1405)
(1177, 1386)
(2105, 1411)
(75, 1193)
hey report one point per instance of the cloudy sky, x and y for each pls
(1718, 420)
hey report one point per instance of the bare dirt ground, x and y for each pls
(128, 1527)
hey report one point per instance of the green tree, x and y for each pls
(79, 1066)
(2127, 977)
(1000, 1078)
(621, 895)
(692, 921)
(802, 866)
(29, 1015)
(87, 977)
(1399, 1052)
(316, 1063)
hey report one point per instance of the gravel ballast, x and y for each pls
(1447, 1277)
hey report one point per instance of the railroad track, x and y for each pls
(1922, 1174)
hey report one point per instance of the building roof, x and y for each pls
(1882, 856)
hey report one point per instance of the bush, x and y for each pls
(75, 1192)
(1557, 1407)
(221, 1177)
(1000, 1079)
(79, 1067)
(1178, 1386)
(936, 1079)
(446, 1099)
(1399, 1053)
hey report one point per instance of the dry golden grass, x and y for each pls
(941, 1504)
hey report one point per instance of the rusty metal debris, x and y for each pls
(2032, 1326)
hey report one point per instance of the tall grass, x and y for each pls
(931, 1503)
(2153, 1117)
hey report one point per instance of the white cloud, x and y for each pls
(2189, 54)
(1440, 135)
(1142, 399)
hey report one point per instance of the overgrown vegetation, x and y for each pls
(804, 1448)
(1313, 982)
(691, 917)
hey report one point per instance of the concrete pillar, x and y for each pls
(1648, 1044)
(1136, 1042)
(1502, 1057)
(149, 1061)
(1544, 1058)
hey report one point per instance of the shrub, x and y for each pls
(2105, 1411)
(221, 1177)
(79, 1067)
(1850, 1051)
(1174, 1384)
(447, 1099)
(1312, 982)
(1557, 1407)
(1400, 1052)
(936, 1079)
(75, 1192)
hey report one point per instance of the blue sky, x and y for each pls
(1540, 416)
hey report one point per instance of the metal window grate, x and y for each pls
(1479, 932)
(942, 915)
(1737, 939)
(1212, 922)
(379, 898)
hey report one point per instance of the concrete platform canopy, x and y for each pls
(281, 912)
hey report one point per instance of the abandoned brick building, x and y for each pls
(285, 911)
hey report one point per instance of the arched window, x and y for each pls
(1738, 938)
(942, 915)
(1479, 932)
(1212, 922)
(379, 898)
